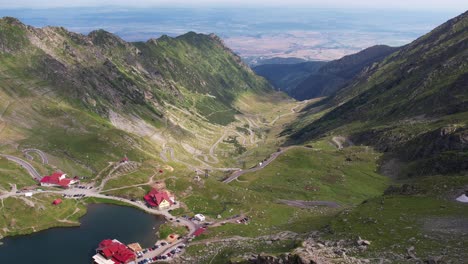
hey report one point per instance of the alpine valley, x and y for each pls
(358, 160)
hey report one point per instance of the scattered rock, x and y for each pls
(362, 242)
(410, 253)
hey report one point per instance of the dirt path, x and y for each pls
(341, 142)
(150, 181)
(213, 147)
(309, 204)
(5, 110)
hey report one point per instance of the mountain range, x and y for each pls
(314, 79)
(412, 104)
(367, 168)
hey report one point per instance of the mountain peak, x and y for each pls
(11, 21)
(103, 37)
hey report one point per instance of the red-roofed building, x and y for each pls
(159, 199)
(113, 252)
(57, 201)
(124, 160)
(57, 179)
(199, 231)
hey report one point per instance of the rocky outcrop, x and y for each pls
(315, 251)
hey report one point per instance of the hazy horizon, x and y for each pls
(307, 33)
(453, 5)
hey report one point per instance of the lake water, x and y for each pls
(76, 245)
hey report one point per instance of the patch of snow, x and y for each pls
(463, 198)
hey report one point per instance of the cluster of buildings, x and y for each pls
(58, 179)
(159, 199)
(113, 252)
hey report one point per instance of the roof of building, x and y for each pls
(57, 201)
(55, 178)
(136, 247)
(115, 250)
(199, 231)
(155, 197)
(99, 259)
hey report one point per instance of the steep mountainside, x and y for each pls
(98, 96)
(414, 103)
(336, 74)
(107, 71)
(286, 77)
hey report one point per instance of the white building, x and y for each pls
(199, 217)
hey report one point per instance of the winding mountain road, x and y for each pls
(265, 163)
(31, 170)
(41, 154)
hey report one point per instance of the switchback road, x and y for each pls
(31, 170)
(41, 154)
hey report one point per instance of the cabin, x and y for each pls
(57, 201)
(57, 179)
(159, 199)
(199, 231)
(113, 252)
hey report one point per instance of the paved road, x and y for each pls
(31, 170)
(192, 227)
(43, 156)
(239, 173)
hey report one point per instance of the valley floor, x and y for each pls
(324, 191)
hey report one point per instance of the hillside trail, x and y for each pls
(340, 142)
(111, 175)
(149, 182)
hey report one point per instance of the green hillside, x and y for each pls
(412, 104)
(286, 77)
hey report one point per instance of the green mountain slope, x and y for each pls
(104, 69)
(286, 77)
(93, 98)
(336, 74)
(414, 103)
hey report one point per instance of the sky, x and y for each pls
(458, 5)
